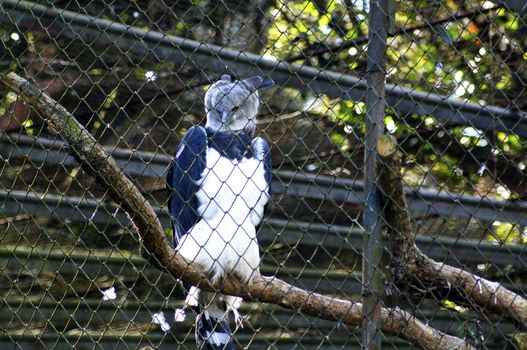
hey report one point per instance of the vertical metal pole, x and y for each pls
(372, 251)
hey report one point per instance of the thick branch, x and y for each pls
(96, 162)
(409, 263)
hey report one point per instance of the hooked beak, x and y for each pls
(226, 118)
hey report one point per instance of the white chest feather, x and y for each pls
(231, 198)
(234, 189)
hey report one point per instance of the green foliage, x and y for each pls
(454, 59)
(168, 233)
(349, 112)
(448, 304)
(299, 25)
(340, 141)
(506, 233)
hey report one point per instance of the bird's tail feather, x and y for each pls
(213, 333)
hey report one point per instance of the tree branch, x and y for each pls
(96, 162)
(410, 266)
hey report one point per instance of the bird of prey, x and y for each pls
(219, 187)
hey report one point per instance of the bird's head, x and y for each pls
(232, 105)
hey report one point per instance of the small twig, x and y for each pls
(279, 118)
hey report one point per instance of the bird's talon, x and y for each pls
(238, 318)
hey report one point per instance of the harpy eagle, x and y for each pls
(219, 186)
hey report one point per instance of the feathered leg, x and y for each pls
(213, 331)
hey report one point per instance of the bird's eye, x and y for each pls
(235, 108)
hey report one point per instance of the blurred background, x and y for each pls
(134, 73)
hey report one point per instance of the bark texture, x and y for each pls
(96, 162)
(410, 267)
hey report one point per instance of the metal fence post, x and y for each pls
(371, 262)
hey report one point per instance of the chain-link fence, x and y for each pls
(438, 208)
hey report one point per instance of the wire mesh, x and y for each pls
(134, 73)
